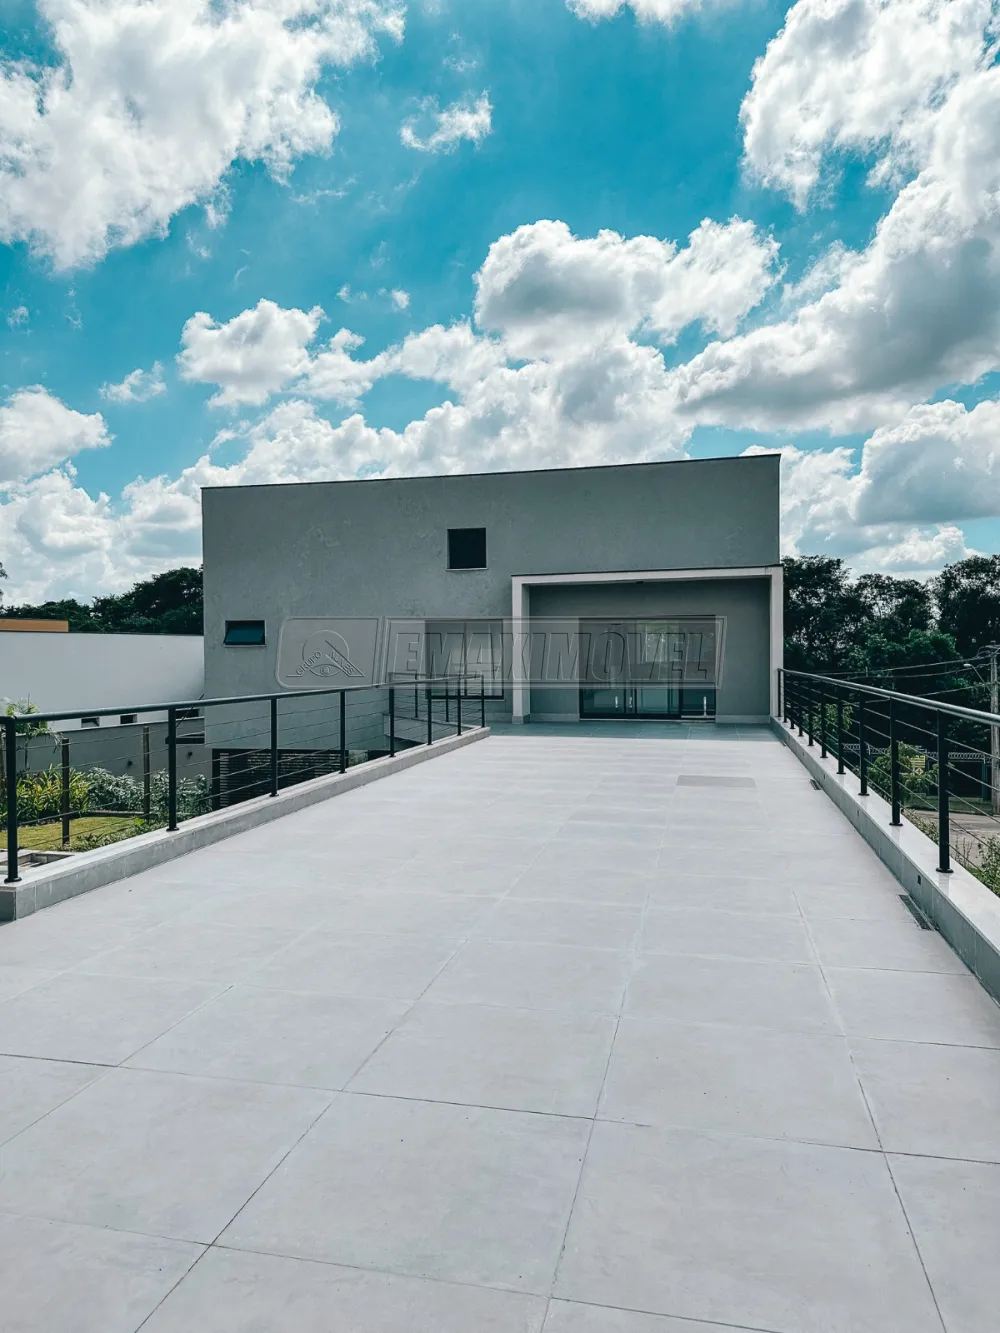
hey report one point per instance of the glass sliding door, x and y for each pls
(657, 668)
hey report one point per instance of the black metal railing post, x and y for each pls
(274, 746)
(862, 746)
(782, 696)
(171, 770)
(147, 776)
(343, 732)
(809, 712)
(64, 809)
(894, 766)
(482, 701)
(798, 702)
(944, 814)
(822, 722)
(840, 731)
(392, 722)
(10, 766)
(430, 716)
(458, 706)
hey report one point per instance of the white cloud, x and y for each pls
(855, 75)
(400, 299)
(646, 11)
(917, 310)
(254, 355)
(151, 101)
(444, 130)
(18, 316)
(941, 460)
(137, 387)
(545, 289)
(334, 374)
(38, 431)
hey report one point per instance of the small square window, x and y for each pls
(90, 721)
(466, 548)
(127, 719)
(244, 634)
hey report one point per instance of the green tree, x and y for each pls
(169, 603)
(968, 602)
(823, 612)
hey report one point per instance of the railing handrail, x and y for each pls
(178, 704)
(932, 705)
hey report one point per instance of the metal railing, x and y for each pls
(909, 749)
(87, 787)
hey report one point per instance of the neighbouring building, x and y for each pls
(650, 590)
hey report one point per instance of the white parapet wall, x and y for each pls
(46, 885)
(962, 908)
(83, 673)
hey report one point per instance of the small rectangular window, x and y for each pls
(90, 721)
(466, 548)
(126, 719)
(244, 634)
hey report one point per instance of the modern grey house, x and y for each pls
(650, 590)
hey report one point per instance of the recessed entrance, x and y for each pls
(663, 668)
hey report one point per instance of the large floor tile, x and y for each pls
(230, 1292)
(568, 1317)
(940, 1101)
(61, 1278)
(590, 925)
(411, 912)
(30, 1089)
(720, 893)
(161, 1154)
(14, 980)
(612, 884)
(520, 1059)
(915, 1006)
(787, 1085)
(954, 1210)
(329, 962)
(717, 934)
(460, 1193)
(535, 976)
(752, 993)
(272, 1036)
(102, 1020)
(185, 951)
(567, 854)
(874, 902)
(788, 1237)
(57, 939)
(888, 945)
(446, 875)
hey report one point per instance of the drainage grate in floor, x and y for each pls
(915, 912)
(712, 780)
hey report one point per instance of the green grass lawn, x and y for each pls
(48, 837)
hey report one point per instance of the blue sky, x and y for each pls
(642, 122)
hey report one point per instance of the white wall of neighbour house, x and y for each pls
(80, 674)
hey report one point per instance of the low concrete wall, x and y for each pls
(962, 908)
(47, 885)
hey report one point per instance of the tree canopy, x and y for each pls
(169, 603)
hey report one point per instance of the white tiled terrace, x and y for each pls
(582, 1034)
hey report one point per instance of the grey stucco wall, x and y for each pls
(745, 604)
(379, 548)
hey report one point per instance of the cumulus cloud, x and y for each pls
(444, 130)
(545, 289)
(151, 101)
(916, 310)
(38, 431)
(646, 11)
(400, 299)
(138, 387)
(252, 356)
(18, 316)
(857, 75)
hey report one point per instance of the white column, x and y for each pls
(777, 631)
(519, 628)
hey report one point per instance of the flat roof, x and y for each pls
(506, 472)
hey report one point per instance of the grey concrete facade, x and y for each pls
(376, 551)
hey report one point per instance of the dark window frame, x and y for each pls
(127, 719)
(90, 721)
(236, 626)
(458, 536)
